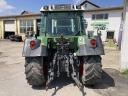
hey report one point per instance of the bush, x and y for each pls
(125, 73)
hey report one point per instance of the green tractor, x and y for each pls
(63, 47)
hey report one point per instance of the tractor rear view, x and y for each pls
(63, 47)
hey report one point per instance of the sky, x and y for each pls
(11, 7)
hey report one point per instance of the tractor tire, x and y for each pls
(92, 70)
(34, 71)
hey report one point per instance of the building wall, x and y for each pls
(2, 25)
(1, 29)
(115, 22)
(112, 23)
(124, 47)
(25, 18)
(17, 24)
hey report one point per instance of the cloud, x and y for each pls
(77, 1)
(5, 6)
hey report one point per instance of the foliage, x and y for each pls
(125, 73)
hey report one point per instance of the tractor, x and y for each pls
(63, 47)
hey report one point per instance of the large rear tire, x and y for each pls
(92, 70)
(34, 71)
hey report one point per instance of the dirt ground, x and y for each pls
(13, 83)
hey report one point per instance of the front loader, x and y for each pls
(63, 47)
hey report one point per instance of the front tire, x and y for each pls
(34, 71)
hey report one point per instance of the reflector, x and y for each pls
(32, 44)
(93, 43)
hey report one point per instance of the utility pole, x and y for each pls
(124, 46)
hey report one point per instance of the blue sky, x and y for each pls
(11, 7)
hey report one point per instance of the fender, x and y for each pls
(85, 48)
(39, 50)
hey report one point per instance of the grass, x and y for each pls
(125, 73)
(110, 43)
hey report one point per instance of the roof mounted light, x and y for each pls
(73, 6)
(51, 7)
(46, 7)
(78, 7)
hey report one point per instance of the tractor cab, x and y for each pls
(66, 20)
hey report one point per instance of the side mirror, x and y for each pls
(86, 24)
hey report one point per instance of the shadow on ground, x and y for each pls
(106, 81)
(111, 84)
(0, 53)
(57, 82)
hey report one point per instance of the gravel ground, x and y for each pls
(111, 59)
(13, 83)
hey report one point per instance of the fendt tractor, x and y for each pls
(63, 47)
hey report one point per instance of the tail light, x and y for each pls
(93, 43)
(32, 44)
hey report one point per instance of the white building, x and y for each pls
(107, 20)
(124, 49)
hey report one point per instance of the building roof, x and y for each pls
(39, 14)
(26, 12)
(105, 9)
(86, 1)
(25, 15)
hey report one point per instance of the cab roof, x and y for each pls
(62, 7)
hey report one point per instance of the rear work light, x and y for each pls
(32, 44)
(93, 43)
